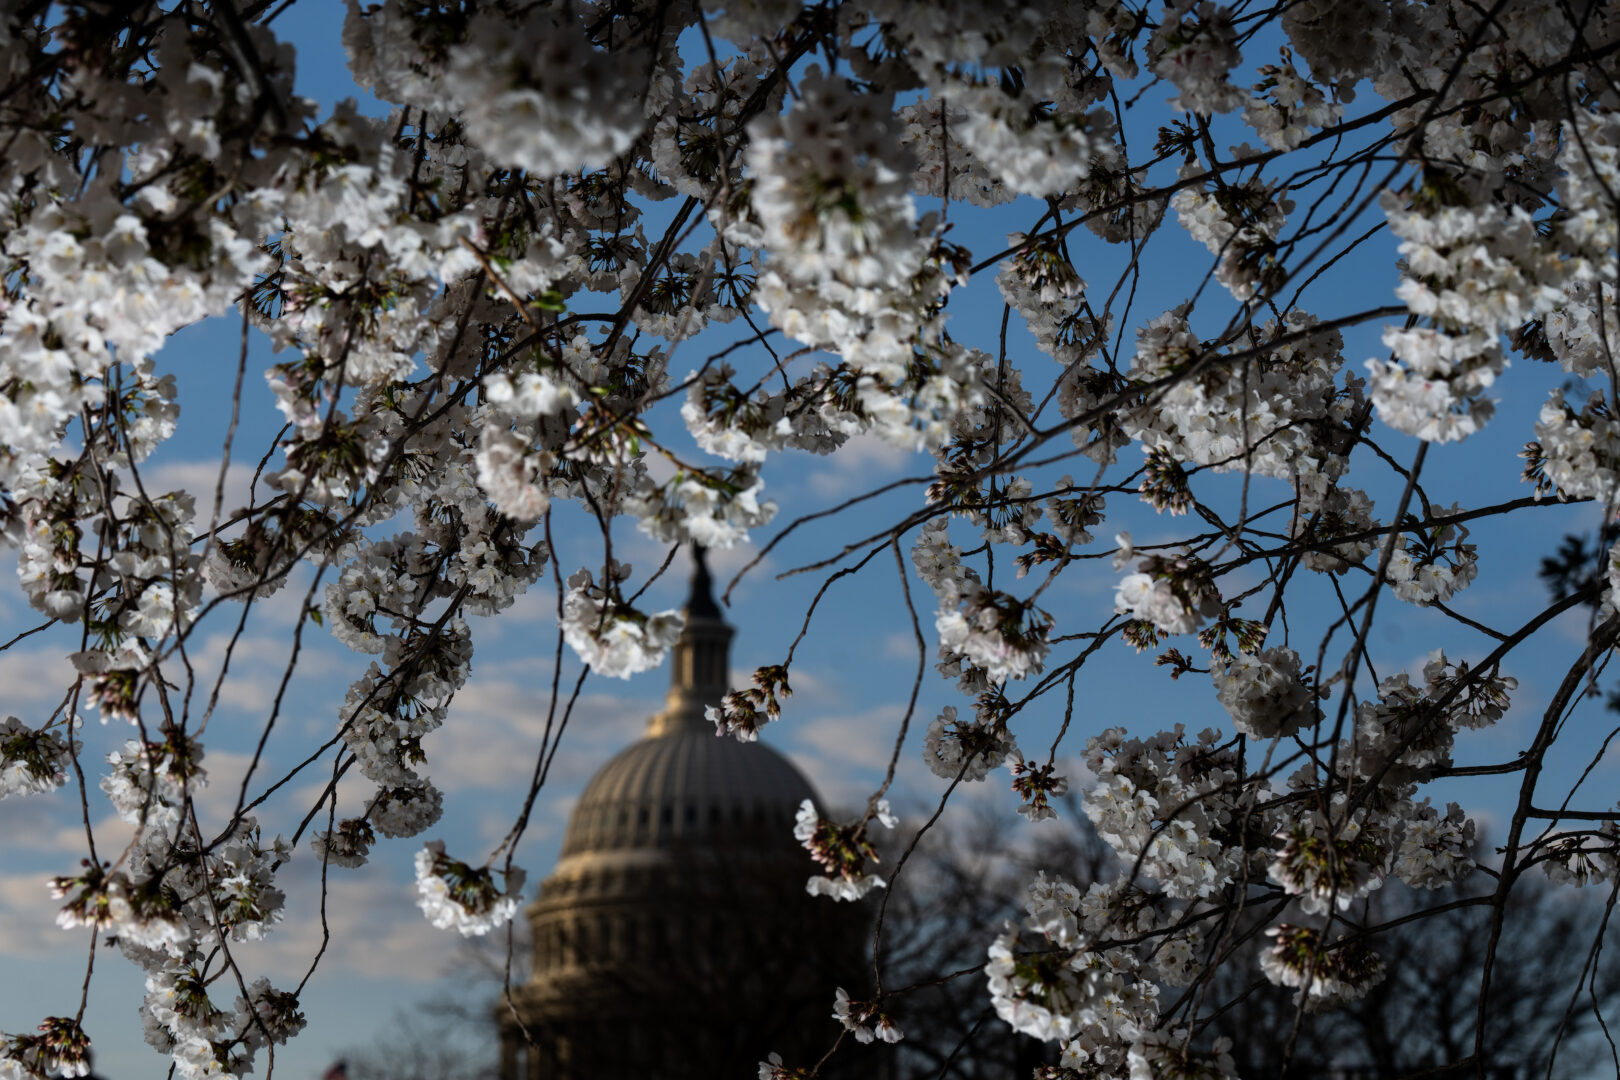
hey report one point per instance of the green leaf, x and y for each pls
(550, 300)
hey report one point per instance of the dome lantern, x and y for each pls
(699, 662)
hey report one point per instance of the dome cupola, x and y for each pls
(679, 785)
(677, 911)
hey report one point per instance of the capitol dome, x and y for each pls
(675, 927)
(682, 787)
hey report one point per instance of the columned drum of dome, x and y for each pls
(674, 938)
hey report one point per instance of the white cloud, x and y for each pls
(900, 646)
(1576, 625)
(493, 733)
(33, 678)
(28, 917)
(860, 465)
(376, 929)
(538, 605)
(542, 834)
(659, 468)
(845, 755)
(258, 664)
(810, 690)
(201, 478)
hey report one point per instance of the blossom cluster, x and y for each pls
(453, 894)
(842, 850)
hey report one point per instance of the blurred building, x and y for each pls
(675, 939)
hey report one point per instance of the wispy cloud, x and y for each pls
(495, 727)
(34, 680)
(844, 754)
(28, 917)
(861, 464)
(373, 926)
(201, 478)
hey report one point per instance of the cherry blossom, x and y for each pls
(598, 276)
(454, 895)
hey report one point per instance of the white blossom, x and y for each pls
(615, 639)
(1265, 692)
(31, 761)
(454, 895)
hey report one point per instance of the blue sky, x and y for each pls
(851, 680)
